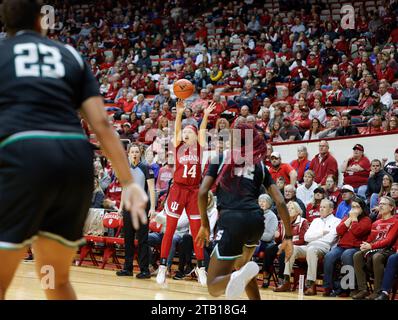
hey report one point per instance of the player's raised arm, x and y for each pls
(134, 198)
(203, 126)
(178, 124)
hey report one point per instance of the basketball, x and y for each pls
(183, 88)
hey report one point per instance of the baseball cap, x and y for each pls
(347, 187)
(275, 154)
(358, 147)
(319, 190)
(126, 124)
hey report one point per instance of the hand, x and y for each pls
(180, 106)
(365, 246)
(203, 237)
(134, 200)
(152, 214)
(209, 109)
(287, 246)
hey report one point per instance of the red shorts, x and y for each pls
(182, 197)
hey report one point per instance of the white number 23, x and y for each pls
(27, 62)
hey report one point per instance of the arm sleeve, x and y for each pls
(361, 228)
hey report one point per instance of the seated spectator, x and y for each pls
(189, 119)
(376, 108)
(331, 128)
(242, 69)
(375, 251)
(350, 94)
(98, 195)
(246, 96)
(392, 124)
(352, 231)
(279, 169)
(384, 72)
(313, 207)
(289, 132)
(374, 182)
(299, 226)
(165, 175)
(304, 123)
(366, 98)
(375, 125)
(301, 164)
(356, 170)
(385, 189)
(318, 112)
(347, 194)
(200, 104)
(234, 82)
(125, 132)
(275, 134)
(323, 164)
(390, 273)
(346, 129)
(333, 97)
(142, 106)
(313, 132)
(267, 242)
(148, 134)
(289, 194)
(305, 192)
(320, 237)
(215, 74)
(392, 167)
(332, 192)
(385, 96)
(299, 73)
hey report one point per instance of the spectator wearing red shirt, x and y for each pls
(332, 193)
(114, 192)
(352, 230)
(376, 125)
(299, 73)
(323, 164)
(356, 170)
(233, 82)
(127, 104)
(146, 136)
(164, 176)
(301, 164)
(313, 208)
(304, 123)
(382, 236)
(384, 72)
(279, 169)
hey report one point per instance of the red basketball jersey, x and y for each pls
(188, 165)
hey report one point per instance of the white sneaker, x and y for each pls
(202, 276)
(240, 279)
(161, 276)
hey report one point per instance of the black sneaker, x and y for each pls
(188, 271)
(143, 275)
(124, 273)
(179, 275)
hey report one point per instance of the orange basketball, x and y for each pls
(183, 88)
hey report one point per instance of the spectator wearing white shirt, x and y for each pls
(242, 69)
(320, 237)
(318, 112)
(305, 192)
(385, 96)
(199, 58)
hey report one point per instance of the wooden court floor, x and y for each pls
(96, 284)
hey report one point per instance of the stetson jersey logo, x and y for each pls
(174, 206)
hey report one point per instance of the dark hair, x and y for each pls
(363, 206)
(227, 173)
(20, 14)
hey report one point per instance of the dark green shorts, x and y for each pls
(46, 184)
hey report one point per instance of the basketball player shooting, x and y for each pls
(183, 194)
(241, 222)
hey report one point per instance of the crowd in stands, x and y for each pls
(288, 71)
